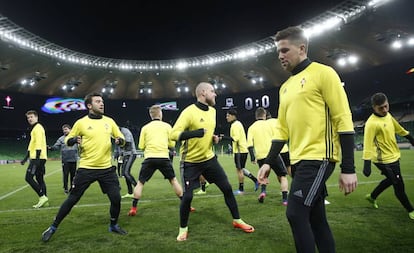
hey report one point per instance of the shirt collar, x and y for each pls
(201, 106)
(301, 66)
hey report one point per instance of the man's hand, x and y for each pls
(216, 139)
(263, 174)
(22, 162)
(347, 183)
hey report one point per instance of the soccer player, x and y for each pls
(69, 155)
(195, 129)
(93, 133)
(37, 152)
(314, 116)
(284, 162)
(203, 186)
(129, 154)
(380, 147)
(259, 136)
(155, 140)
(118, 157)
(239, 147)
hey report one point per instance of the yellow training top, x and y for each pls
(196, 150)
(259, 136)
(313, 110)
(37, 142)
(154, 139)
(273, 124)
(238, 135)
(96, 146)
(380, 144)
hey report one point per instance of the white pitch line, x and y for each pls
(409, 178)
(25, 186)
(84, 205)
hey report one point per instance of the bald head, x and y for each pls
(205, 93)
(201, 88)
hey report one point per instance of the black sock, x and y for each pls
(241, 187)
(284, 195)
(135, 202)
(248, 174)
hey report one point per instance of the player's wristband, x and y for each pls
(347, 147)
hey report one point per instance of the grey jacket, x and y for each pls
(69, 154)
(129, 148)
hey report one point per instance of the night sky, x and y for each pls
(158, 30)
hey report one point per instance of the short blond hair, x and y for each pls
(155, 111)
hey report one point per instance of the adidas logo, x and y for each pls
(298, 193)
(90, 128)
(201, 120)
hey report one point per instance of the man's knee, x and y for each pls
(114, 196)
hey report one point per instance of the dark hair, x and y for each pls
(66, 125)
(293, 33)
(378, 99)
(32, 112)
(268, 114)
(260, 112)
(232, 111)
(88, 98)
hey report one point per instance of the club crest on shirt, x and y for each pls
(302, 82)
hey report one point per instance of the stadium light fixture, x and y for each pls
(332, 19)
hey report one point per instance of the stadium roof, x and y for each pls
(367, 30)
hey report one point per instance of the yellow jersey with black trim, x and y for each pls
(380, 144)
(238, 135)
(273, 124)
(95, 149)
(154, 139)
(196, 150)
(259, 136)
(37, 142)
(313, 110)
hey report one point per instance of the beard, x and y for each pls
(98, 111)
(211, 102)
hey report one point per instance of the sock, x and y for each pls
(238, 220)
(135, 202)
(182, 230)
(241, 187)
(53, 228)
(248, 174)
(203, 186)
(263, 188)
(284, 195)
(114, 221)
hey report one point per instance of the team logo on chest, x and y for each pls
(302, 82)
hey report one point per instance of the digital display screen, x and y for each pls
(62, 105)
